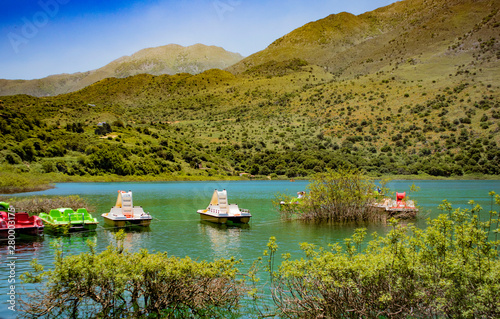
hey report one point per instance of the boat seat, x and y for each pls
(82, 211)
(22, 218)
(67, 212)
(76, 217)
(54, 213)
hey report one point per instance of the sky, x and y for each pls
(39, 38)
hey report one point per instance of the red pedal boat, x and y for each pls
(15, 224)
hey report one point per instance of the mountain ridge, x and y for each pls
(386, 35)
(167, 59)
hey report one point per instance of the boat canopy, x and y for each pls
(124, 201)
(219, 198)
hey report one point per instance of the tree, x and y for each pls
(340, 195)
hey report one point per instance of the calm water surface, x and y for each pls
(176, 227)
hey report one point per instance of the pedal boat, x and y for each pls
(13, 224)
(60, 219)
(219, 211)
(125, 214)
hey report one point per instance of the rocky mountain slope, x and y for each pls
(431, 32)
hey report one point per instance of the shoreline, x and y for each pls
(41, 183)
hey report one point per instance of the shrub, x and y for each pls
(451, 269)
(119, 284)
(339, 196)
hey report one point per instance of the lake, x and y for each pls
(176, 227)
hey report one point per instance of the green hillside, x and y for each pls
(432, 114)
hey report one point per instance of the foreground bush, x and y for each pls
(449, 270)
(116, 284)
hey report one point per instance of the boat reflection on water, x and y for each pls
(133, 236)
(224, 239)
(23, 243)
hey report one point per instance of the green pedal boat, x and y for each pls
(67, 220)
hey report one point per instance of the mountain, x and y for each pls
(168, 59)
(420, 31)
(408, 89)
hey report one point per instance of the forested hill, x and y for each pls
(433, 111)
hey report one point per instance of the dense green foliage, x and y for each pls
(119, 284)
(450, 269)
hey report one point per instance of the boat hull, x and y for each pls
(65, 227)
(128, 222)
(213, 219)
(224, 219)
(397, 212)
(26, 231)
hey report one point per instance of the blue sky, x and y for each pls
(44, 37)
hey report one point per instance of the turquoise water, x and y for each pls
(176, 227)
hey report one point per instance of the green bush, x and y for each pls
(119, 284)
(340, 196)
(451, 269)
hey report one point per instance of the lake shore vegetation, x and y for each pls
(451, 268)
(218, 125)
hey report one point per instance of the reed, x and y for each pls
(38, 204)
